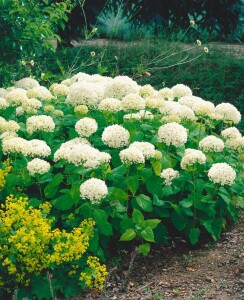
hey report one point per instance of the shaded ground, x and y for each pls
(177, 272)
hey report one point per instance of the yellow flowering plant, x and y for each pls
(32, 252)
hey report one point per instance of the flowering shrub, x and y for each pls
(141, 163)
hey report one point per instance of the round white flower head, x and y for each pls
(131, 156)
(104, 157)
(41, 123)
(109, 105)
(16, 97)
(66, 82)
(115, 136)
(176, 109)
(78, 78)
(3, 93)
(58, 113)
(172, 133)
(169, 174)
(40, 92)
(181, 90)
(132, 102)
(86, 127)
(52, 86)
(15, 145)
(120, 87)
(231, 133)
(222, 173)
(146, 148)
(171, 119)
(48, 108)
(61, 90)
(11, 126)
(39, 148)
(85, 93)
(30, 104)
(3, 103)
(38, 166)
(203, 108)
(165, 93)
(153, 102)
(228, 112)
(19, 111)
(235, 144)
(82, 109)
(8, 135)
(211, 144)
(96, 78)
(190, 101)
(192, 157)
(94, 190)
(27, 83)
(64, 151)
(84, 155)
(147, 91)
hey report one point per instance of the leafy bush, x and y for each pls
(28, 27)
(141, 163)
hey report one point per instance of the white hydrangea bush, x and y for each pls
(135, 159)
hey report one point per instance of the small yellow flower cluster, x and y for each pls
(29, 245)
(95, 276)
(4, 172)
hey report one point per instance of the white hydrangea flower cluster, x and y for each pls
(40, 123)
(203, 108)
(60, 90)
(153, 102)
(48, 108)
(11, 126)
(147, 91)
(8, 135)
(132, 155)
(190, 101)
(211, 144)
(30, 106)
(147, 149)
(82, 109)
(172, 108)
(169, 174)
(116, 136)
(222, 173)
(227, 112)
(172, 133)
(27, 83)
(166, 93)
(3, 93)
(38, 166)
(109, 105)
(3, 103)
(39, 148)
(94, 190)
(16, 96)
(120, 87)
(191, 157)
(231, 133)
(85, 93)
(181, 90)
(40, 92)
(16, 145)
(132, 102)
(86, 127)
(235, 144)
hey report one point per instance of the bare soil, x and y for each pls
(213, 271)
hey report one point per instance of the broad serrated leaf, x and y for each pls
(137, 216)
(102, 223)
(152, 223)
(128, 235)
(186, 203)
(133, 184)
(157, 167)
(147, 234)
(64, 202)
(144, 202)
